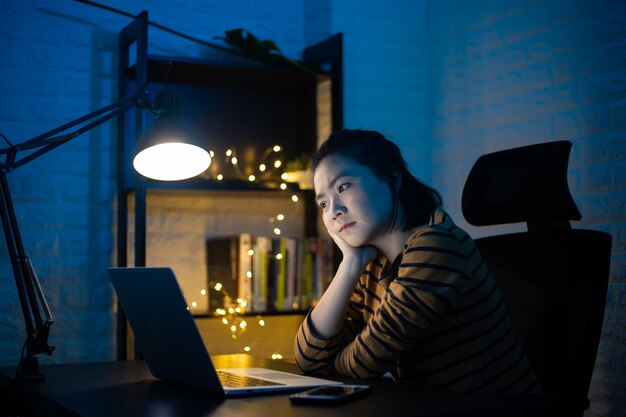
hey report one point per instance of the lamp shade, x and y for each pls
(172, 149)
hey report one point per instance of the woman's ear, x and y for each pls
(395, 180)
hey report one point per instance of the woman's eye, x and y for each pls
(343, 187)
(322, 205)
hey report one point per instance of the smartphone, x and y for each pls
(330, 394)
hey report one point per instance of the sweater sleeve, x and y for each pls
(431, 279)
(314, 353)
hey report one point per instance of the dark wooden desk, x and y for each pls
(126, 388)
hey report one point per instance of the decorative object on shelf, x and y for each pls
(267, 169)
(299, 171)
(31, 295)
(265, 51)
(242, 42)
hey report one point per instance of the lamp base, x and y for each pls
(29, 368)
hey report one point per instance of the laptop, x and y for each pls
(166, 333)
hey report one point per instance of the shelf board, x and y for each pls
(256, 313)
(239, 74)
(199, 184)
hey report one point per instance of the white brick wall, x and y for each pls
(508, 74)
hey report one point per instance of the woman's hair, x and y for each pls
(383, 157)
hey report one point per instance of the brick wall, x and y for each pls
(508, 74)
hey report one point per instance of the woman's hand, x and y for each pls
(361, 255)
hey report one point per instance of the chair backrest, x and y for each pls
(553, 278)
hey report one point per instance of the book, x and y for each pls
(222, 255)
(244, 270)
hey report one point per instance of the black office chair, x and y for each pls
(553, 278)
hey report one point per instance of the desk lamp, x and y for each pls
(171, 150)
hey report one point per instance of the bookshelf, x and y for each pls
(235, 103)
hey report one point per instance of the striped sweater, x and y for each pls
(434, 316)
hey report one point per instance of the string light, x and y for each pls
(280, 217)
(294, 198)
(283, 186)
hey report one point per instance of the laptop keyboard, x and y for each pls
(242, 381)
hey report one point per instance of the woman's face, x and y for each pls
(356, 205)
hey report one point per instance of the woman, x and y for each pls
(411, 295)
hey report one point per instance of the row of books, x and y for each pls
(269, 273)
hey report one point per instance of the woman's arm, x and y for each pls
(327, 316)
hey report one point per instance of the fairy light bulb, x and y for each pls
(280, 217)
(262, 167)
(220, 177)
(277, 164)
(234, 160)
(251, 178)
(277, 148)
(294, 198)
(229, 152)
(283, 186)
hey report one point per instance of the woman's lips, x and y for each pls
(346, 226)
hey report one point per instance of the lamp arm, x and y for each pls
(31, 295)
(52, 139)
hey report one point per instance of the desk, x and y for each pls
(126, 388)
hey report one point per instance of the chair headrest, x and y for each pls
(526, 184)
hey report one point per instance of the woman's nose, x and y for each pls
(337, 209)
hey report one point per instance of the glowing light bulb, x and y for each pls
(251, 178)
(283, 186)
(218, 287)
(229, 152)
(212, 154)
(262, 167)
(277, 164)
(194, 304)
(276, 148)
(203, 291)
(220, 177)
(294, 198)
(233, 328)
(251, 252)
(281, 217)
(243, 324)
(224, 320)
(261, 322)
(284, 176)
(247, 348)
(234, 160)
(276, 231)
(279, 256)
